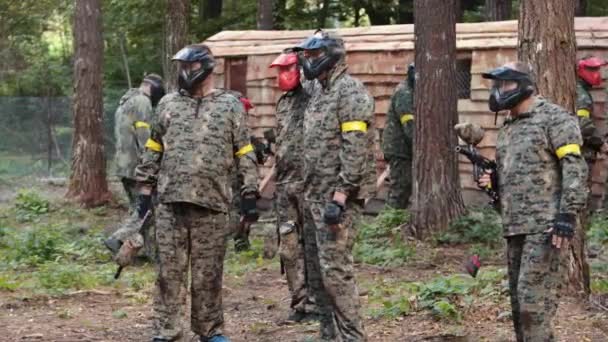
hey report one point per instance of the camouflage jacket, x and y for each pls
(398, 135)
(131, 130)
(290, 128)
(592, 138)
(192, 150)
(339, 138)
(540, 169)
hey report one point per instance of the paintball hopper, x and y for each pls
(470, 133)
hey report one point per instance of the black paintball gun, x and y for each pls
(472, 134)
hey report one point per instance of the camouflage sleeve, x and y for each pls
(565, 139)
(356, 115)
(244, 151)
(390, 129)
(142, 113)
(592, 138)
(149, 164)
(407, 121)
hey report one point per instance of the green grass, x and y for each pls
(479, 226)
(379, 241)
(239, 264)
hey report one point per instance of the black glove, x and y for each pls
(144, 204)
(249, 208)
(333, 213)
(564, 225)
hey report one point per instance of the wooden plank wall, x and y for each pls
(380, 72)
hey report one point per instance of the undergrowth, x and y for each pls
(479, 226)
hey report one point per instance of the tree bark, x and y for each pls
(176, 37)
(547, 42)
(437, 199)
(497, 10)
(88, 183)
(581, 8)
(265, 18)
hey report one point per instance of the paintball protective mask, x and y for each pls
(503, 99)
(190, 79)
(321, 53)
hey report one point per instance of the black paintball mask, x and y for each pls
(188, 80)
(411, 76)
(321, 53)
(507, 99)
(157, 88)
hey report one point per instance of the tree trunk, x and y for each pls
(581, 8)
(497, 10)
(88, 178)
(265, 15)
(176, 37)
(547, 42)
(437, 199)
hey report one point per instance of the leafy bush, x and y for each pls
(479, 226)
(379, 242)
(31, 247)
(30, 205)
(597, 234)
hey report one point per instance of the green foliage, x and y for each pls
(479, 226)
(30, 205)
(599, 286)
(444, 297)
(238, 264)
(597, 234)
(379, 242)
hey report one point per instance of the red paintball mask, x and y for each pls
(289, 74)
(588, 70)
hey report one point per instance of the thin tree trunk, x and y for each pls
(125, 61)
(265, 15)
(497, 10)
(581, 8)
(437, 199)
(176, 37)
(88, 183)
(547, 42)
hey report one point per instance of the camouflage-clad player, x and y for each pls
(541, 181)
(289, 182)
(397, 141)
(132, 129)
(588, 72)
(190, 155)
(339, 174)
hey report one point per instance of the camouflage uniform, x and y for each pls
(131, 130)
(541, 173)
(288, 204)
(397, 144)
(592, 139)
(190, 156)
(339, 157)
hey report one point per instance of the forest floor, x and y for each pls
(56, 281)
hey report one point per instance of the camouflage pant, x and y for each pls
(534, 281)
(331, 275)
(288, 207)
(130, 187)
(400, 183)
(192, 237)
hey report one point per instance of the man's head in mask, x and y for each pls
(289, 74)
(196, 64)
(588, 71)
(512, 87)
(152, 85)
(319, 53)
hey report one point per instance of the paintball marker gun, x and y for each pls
(131, 246)
(472, 134)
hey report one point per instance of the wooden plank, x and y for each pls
(266, 121)
(392, 62)
(262, 96)
(258, 67)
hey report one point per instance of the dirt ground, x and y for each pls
(256, 304)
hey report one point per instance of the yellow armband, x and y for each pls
(154, 146)
(574, 149)
(583, 113)
(244, 150)
(141, 124)
(405, 118)
(354, 126)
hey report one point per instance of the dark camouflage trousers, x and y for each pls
(331, 274)
(400, 183)
(534, 282)
(192, 238)
(288, 207)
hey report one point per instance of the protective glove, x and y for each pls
(249, 209)
(333, 213)
(564, 225)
